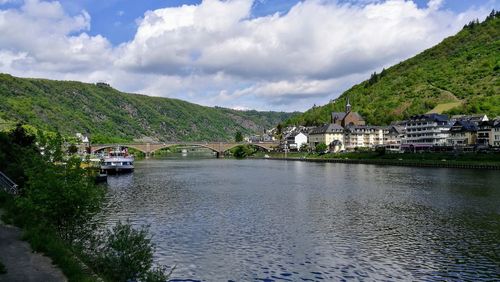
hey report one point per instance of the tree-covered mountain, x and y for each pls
(110, 115)
(459, 75)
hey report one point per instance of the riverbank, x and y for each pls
(21, 250)
(20, 262)
(436, 160)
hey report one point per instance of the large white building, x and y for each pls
(363, 136)
(426, 131)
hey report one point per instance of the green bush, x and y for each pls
(242, 151)
(126, 254)
(62, 196)
(321, 148)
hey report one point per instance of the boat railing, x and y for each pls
(8, 185)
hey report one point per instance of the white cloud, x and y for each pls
(218, 53)
(50, 40)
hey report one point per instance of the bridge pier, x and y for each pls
(220, 155)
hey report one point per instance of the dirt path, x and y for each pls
(21, 263)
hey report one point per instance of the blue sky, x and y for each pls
(116, 19)
(243, 54)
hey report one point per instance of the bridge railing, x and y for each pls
(8, 185)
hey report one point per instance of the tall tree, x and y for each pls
(238, 137)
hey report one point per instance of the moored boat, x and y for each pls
(117, 162)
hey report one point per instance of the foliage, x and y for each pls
(3, 270)
(242, 151)
(463, 69)
(127, 254)
(45, 240)
(238, 137)
(57, 208)
(321, 148)
(304, 147)
(72, 149)
(16, 149)
(63, 197)
(110, 116)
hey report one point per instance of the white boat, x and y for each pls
(117, 162)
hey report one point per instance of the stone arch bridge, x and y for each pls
(217, 147)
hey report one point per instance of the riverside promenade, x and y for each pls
(21, 263)
(395, 162)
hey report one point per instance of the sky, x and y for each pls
(243, 54)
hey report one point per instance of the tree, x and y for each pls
(304, 147)
(242, 151)
(238, 137)
(126, 254)
(20, 137)
(279, 131)
(321, 148)
(72, 149)
(62, 197)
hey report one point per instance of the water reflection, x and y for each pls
(271, 220)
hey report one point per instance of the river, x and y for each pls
(247, 220)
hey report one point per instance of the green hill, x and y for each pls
(459, 75)
(112, 116)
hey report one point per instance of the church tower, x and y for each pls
(347, 106)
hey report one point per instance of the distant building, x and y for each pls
(496, 133)
(393, 137)
(329, 134)
(426, 131)
(463, 133)
(363, 136)
(475, 119)
(485, 133)
(260, 138)
(348, 117)
(295, 140)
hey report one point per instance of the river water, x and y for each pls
(247, 220)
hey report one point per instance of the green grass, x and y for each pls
(45, 241)
(441, 108)
(464, 67)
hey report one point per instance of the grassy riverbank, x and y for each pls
(472, 160)
(44, 240)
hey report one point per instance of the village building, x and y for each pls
(476, 119)
(485, 133)
(393, 137)
(463, 133)
(426, 131)
(362, 136)
(295, 140)
(347, 118)
(329, 134)
(496, 133)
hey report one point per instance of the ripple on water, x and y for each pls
(278, 221)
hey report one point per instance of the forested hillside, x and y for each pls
(109, 115)
(459, 75)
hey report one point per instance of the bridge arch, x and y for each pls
(258, 145)
(207, 146)
(101, 147)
